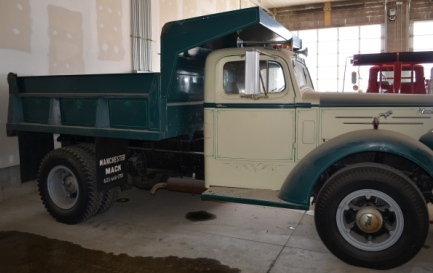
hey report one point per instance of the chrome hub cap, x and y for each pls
(369, 220)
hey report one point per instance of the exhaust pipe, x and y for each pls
(181, 184)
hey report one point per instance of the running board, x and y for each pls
(248, 196)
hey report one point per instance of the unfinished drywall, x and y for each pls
(110, 30)
(66, 41)
(15, 25)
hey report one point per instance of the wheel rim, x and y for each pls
(63, 187)
(370, 220)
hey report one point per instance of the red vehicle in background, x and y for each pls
(399, 72)
(382, 79)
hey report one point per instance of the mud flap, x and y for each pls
(111, 162)
(33, 147)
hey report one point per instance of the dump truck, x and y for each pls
(233, 115)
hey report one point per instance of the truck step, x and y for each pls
(247, 196)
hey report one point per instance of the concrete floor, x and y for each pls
(250, 238)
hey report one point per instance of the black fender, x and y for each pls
(299, 184)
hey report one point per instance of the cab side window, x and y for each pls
(271, 77)
(234, 77)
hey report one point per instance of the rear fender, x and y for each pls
(299, 184)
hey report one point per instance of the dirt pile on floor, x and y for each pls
(24, 252)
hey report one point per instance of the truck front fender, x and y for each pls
(299, 184)
(427, 139)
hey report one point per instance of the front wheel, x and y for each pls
(371, 215)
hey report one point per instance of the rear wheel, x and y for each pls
(371, 215)
(67, 185)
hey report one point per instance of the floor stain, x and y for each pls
(197, 216)
(22, 252)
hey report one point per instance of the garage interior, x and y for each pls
(173, 231)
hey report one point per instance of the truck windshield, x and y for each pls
(302, 76)
(271, 77)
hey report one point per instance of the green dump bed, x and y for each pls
(107, 105)
(141, 106)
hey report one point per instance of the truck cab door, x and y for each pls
(249, 136)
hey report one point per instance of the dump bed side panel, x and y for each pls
(111, 105)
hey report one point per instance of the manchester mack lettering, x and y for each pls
(114, 169)
(112, 160)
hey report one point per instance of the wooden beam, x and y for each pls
(327, 11)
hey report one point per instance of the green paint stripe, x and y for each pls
(325, 105)
(256, 105)
(366, 105)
